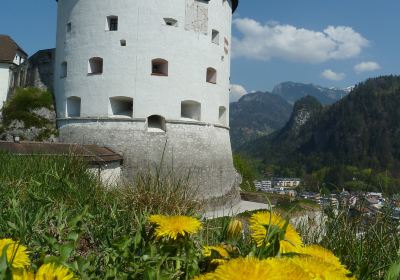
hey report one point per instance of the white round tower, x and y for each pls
(150, 79)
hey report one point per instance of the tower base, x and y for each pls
(198, 151)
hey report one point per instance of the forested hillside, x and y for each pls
(255, 115)
(362, 130)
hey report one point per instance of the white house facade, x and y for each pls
(11, 56)
(4, 82)
(151, 80)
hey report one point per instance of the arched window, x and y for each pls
(156, 123)
(73, 107)
(95, 66)
(191, 110)
(211, 75)
(64, 70)
(112, 23)
(121, 106)
(222, 115)
(159, 67)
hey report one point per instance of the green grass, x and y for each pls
(58, 209)
(43, 200)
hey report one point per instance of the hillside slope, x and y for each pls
(255, 115)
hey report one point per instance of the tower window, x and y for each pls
(171, 22)
(159, 67)
(69, 27)
(73, 107)
(123, 43)
(211, 75)
(222, 115)
(121, 106)
(112, 23)
(215, 37)
(191, 110)
(95, 66)
(64, 70)
(156, 123)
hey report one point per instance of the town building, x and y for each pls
(151, 80)
(286, 182)
(11, 57)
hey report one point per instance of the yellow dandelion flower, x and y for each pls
(259, 224)
(51, 271)
(325, 255)
(16, 253)
(255, 269)
(242, 268)
(174, 226)
(155, 219)
(222, 252)
(208, 276)
(283, 268)
(235, 229)
(318, 269)
(23, 275)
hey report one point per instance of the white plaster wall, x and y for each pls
(127, 70)
(109, 175)
(4, 82)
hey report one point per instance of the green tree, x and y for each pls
(244, 165)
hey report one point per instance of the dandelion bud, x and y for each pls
(234, 229)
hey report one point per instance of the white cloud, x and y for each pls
(263, 42)
(333, 76)
(366, 66)
(237, 91)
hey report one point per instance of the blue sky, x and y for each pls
(309, 41)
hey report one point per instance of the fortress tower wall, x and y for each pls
(151, 80)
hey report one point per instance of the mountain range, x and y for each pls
(291, 92)
(362, 129)
(261, 113)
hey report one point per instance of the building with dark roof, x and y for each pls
(11, 57)
(102, 161)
